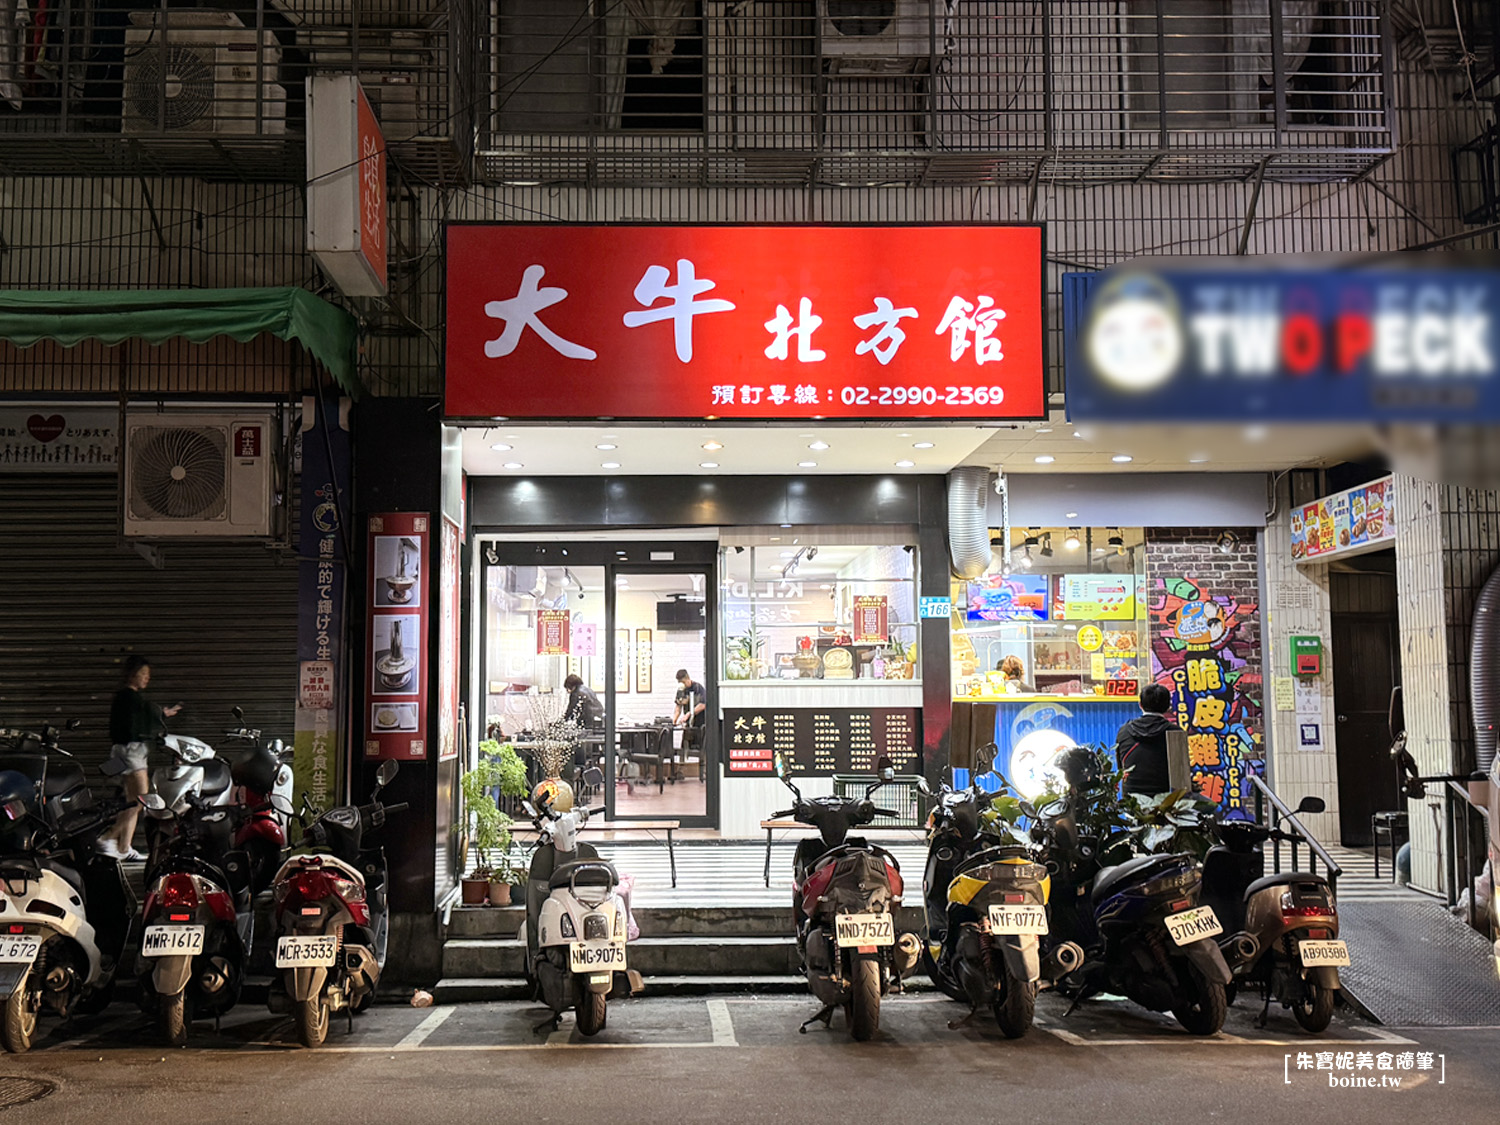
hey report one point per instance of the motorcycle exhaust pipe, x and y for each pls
(1062, 960)
(58, 979)
(213, 979)
(907, 953)
(1240, 950)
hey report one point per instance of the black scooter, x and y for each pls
(845, 891)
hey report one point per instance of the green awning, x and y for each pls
(157, 315)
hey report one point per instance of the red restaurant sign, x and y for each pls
(560, 321)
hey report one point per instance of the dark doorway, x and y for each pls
(1366, 665)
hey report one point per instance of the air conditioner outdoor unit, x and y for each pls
(204, 475)
(881, 36)
(201, 72)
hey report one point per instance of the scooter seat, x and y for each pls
(589, 872)
(1111, 879)
(1282, 879)
(216, 778)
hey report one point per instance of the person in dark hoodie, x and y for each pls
(1141, 744)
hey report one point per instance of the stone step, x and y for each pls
(666, 921)
(683, 955)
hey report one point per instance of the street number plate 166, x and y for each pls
(172, 941)
(1018, 919)
(866, 929)
(19, 950)
(1191, 925)
(306, 952)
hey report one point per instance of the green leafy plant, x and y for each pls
(744, 657)
(489, 828)
(512, 768)
(1179, 821)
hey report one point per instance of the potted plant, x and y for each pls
(487, 827)
(506, 875)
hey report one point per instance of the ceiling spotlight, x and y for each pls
(905, 464)
(501, 448)
(610, 465)
(1046, 551)
(708, 464)
(514, 465)
(1044, 459)
(1122, 458)
(1073, 541)
(1117, 541)
(605, 446)
(818, 445)
(807, 464)
(713, 446)
(490, 556)
(1025, 560)
(922, 445)
(1227, 542)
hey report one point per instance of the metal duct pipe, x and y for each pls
(968, 520)
(1484, 667)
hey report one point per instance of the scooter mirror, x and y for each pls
(593, 777)
(984, 760)
(384, 774)
(74, 724)
(278, 746)
(281, 804)
(886, 768)
(922, 786)
(781, 772)
(1310, 805)
(529, 807)
(237, 713)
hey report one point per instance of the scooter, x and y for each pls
(263, 777)
(985, 900)
(57, 954)
(195, 772)
(576, 925)
(198, 922)
(845, 891)
(1144, 933)
(1285, 927)
(332, 915)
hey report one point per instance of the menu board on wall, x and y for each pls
(1347, 523)
(552, 627)
(1095, 597)
(822, 740)
(871, 617)
(396, 637)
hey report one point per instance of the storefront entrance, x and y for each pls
(594, 634)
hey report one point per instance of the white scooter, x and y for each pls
(576, 922)
(194, 772)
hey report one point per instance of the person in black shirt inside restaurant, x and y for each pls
(584, 707)
(134, 721)
(1141, 744)
(690, 709)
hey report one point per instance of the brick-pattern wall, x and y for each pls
(1204, 611)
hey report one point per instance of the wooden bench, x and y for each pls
(650, 827)
(773, 826)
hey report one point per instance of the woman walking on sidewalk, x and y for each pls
(134, 721)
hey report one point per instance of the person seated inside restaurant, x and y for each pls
(1014, 672)
(585, 709)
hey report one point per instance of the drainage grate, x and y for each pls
(19, 1091)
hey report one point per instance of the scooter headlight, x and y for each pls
(568, 929)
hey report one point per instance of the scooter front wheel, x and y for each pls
(864, 1014)
(311, 1018)
(590, 1009)
(1200, 1007)
(19, 1027)
(174, 1018)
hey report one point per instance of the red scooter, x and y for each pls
(264, 777)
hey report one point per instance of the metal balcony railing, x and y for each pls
(165, 88)
(931, 91)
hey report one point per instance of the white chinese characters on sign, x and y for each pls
(962, 318)
(682, 306)
(520, 313)
(781, 326)
(884, 344)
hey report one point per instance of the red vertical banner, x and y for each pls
(396, 649)
(552, 628)
(871, 619)
(448, 644)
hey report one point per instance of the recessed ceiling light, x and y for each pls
(1044, 429)
(514, 465)
(1070, 515)
(786, 525)
(905, 435)
(501, 448)
(775, 539)
(1122, 458)
(818, 445)
(711, 446)
(1197, 460)
(604, 445)
(922, 445)
(610, 465)
(807, 464)
(905, 464)
(1044, 459)
(708, 464)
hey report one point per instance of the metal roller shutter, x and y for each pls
(218, 622)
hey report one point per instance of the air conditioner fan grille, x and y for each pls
(177, 473)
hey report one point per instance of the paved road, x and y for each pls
(737, 1059)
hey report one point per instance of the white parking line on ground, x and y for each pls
(718, 1018)
(1073, 1039)
(418, 1035)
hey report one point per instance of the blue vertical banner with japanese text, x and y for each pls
(323, 548)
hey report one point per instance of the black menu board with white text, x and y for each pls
(822, 740)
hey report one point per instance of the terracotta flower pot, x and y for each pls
(474, 891)
(499, 894)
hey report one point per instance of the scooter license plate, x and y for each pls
(594, 956)
(865, 929)
(20, 950)
(1018, 919)
(1193, 925)
(306, 952)
(1318, 953)
(171, 941)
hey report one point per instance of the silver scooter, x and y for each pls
(576, 923)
